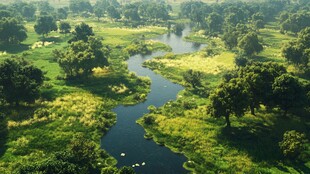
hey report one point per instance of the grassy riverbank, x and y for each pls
(68, 108)
(251, 146)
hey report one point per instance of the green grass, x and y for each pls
(184, 126)
(71, 106)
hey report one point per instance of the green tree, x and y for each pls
(78, 6)
(126, 170)
(82, 56)
(230, 98)
(260, 78)
(193, 77)
(19, 81)
(11, 31)
(288, 92)
(64, 27)
(62, 13)
(28, 11)
(99, 12)
(249, 44)
(215, 22)
(113, 13)
(293, 144)
(44, 25)
(82, 32)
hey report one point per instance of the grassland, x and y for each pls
(251, 146)
(69, 107)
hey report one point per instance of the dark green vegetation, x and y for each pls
(249, 112)
(68, 81)
(58, 86)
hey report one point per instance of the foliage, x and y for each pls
(229, 98)
(249, 44)
(64, 27)
(78, 6)
(295, 22)
(19, 81)
(288, 92)
(12, 31)
(82, 56)
(44, 25)
(297, 51)
(126, 170)
(82, 32)
(293, 144)
(193, 78)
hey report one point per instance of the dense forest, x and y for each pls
(244, 106)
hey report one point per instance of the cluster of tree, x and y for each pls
(294, 22)
(83, 54)
(12, 31)
(254, 85)
(19, 81)
(298, 51)
(81, 156)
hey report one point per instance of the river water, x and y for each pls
(126, 136)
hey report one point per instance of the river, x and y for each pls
(126, 136)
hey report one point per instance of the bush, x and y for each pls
(293, 144)
(148, 120)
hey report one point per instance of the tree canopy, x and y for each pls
(45, 24)
(12, 31)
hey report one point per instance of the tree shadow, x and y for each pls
(104, 85)
(261, 141)
(13, 49)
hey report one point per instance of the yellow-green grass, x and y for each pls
(33, 137)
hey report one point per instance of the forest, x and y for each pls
(234, 97)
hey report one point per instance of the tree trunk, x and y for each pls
(252, 109)
(227, 121)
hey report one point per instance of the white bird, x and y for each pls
(143, 164)
(123, 154)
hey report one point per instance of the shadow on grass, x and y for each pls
(13, 49)
(261, 142)
(3, 134)
(266, 59)
(102, 85)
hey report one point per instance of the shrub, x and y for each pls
(293, 144)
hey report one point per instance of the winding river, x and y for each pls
(127, 137)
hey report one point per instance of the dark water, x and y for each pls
(127, 137)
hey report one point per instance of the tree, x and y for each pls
(230, 98)
(82, 32)
(19, 81)
(11, 31)
(193, 77)
(64, 27)
(113, 13)
(78, 6)
(28, 11)
(298, 51)
(44, 25)
(126, 170)
(293, 144)
(249, 44)
(62, 13)
(82, 56)
(288, 92)
(214, 22)
(99, 12)
(260, 77)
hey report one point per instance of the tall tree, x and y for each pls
(288, 92)
(19, 81)
(228, 99)
(193, 77)
(44, 25)
(249, 44)
(82, 32)
(11, 31)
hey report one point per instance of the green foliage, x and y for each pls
(137, 47)
(82, 56)
(297, 51)
(126, 170)
(44, 25)
(295, 22)
(79, 6)
(12, 31)
(249, 44)
(288, 92)
(113, 12)
(193, 78)
(229, 98)
(82, 32)
(293, 144)
(214, 22)
(19, 81)
(64, 27)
